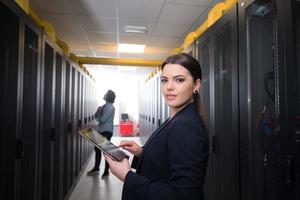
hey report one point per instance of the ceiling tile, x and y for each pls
(101, 37)
(126, 22)
(106, 54)
(156, 49)
(78, 45)
(155, 56)
(83, 53)
(140, 9)
(66, 21)
(130, 55)
(98, 24)
(179, 42)
(156, 52)
(89, 26)
(105, 48)
(71, 35)
(53, 6)
(162, 41)
(97, 8)
(170, 30)
(184, 14)
(133, 38)
(192, 2)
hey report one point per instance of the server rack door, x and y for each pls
(85, 99)
(81, 149)
(244, 94)
(204, 60)
(260, 150)
(68, 129)
(30, 108)
(296, 39)
(58, 127)
(47, 134)
(78, 118)
(74, 118)
(261, 66)
(289, 95)
(9, 59)
(226, 107)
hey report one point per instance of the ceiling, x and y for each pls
(93, 28)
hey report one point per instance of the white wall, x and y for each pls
(125, 82)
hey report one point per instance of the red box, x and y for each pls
(126, 128)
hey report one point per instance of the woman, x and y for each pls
(105, 117)
(172, 163)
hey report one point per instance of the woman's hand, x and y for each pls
(132, 147)
(119, 169)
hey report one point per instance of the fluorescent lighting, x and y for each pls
(126, 68)
(131, 48)
(135, 29)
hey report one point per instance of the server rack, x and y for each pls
(67, 130)
(48, 137)
(58, 126)
(268, 143)
(38, 83)
(217, 53)
(9, 58)
(203, 54)
(288, 26)
(29, 94)
(296, 24)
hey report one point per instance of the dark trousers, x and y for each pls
(108, 135)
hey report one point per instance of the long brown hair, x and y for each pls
(193, 66)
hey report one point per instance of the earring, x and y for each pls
(196, 92)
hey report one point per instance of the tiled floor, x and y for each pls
(93, 187)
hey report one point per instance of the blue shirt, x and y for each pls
(106, 120)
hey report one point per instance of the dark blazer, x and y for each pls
(173, 162)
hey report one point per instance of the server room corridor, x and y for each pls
(240, 64)
(92, 187)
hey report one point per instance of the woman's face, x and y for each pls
(177, 86)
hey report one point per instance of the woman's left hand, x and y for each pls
(119, 169)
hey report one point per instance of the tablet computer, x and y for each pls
(103, 144)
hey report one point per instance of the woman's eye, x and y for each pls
(163, 80)
(179, 80)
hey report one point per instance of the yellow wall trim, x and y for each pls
(118, 61)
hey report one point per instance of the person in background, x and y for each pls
(105, 117)
(172, 163)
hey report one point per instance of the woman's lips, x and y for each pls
(170, 97)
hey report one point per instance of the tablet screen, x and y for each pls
(103, 144)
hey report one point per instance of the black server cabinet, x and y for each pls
(226, 138)
(288, 39)
(203, 56)
(67, 131)
(255, 60)
(74, 124)
(9, 64)
(29, 112)
(218, 55)
(58, 127)
(268, 104)
(79, 121)
(48, 131)
(296, 38)
(50, 144)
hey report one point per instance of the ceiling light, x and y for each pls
(131, 48)
(127, 68)
(135, 29)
